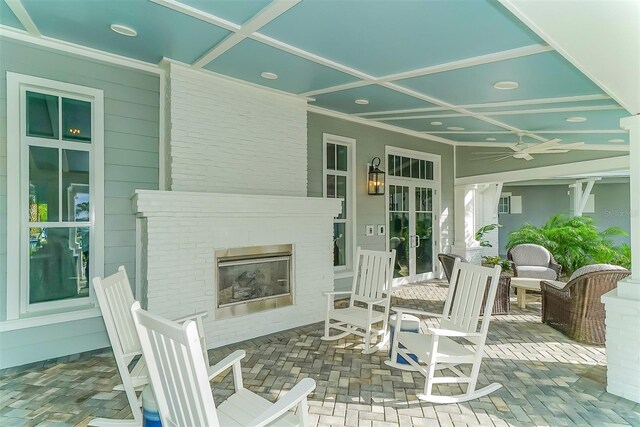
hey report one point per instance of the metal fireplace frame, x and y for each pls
(246, 255)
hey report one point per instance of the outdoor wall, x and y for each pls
(227, 137)
(370, 143)
(468, 164)
(540, 202)
(131, 100)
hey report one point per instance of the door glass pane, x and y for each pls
(429, 171)
(399, 228)
(58, 264)
(406, 167)
(339, 256)
(424, 251)
(331, 186)
(341, 157)
(42, 115)
(76, 120)
(43, 184)
(331, 156)
(342, 194)
(75, 184)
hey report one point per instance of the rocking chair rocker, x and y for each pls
(371, 287)
(459, 320)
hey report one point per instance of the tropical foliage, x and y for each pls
(574, 242)
(484, 230)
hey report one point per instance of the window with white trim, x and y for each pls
(504, 205)
(338, 183)
(55, 195)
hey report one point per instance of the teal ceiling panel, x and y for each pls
(466, 123)
(433, 115)
(387, 37)
(606, 103)
(596, 120)
(248, 59)
(161, 31)
(236, 11)
(506, 138)
(380, 99)
(544, 75)
(8, 18)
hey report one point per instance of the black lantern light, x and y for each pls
(376, 178)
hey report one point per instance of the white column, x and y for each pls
(465, 206)
(623, 304)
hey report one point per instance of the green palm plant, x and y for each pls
(573, 241)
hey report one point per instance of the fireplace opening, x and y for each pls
(253, 279)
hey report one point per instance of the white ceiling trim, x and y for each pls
(23, 16)
(198, 14)
(496, 104)
(592, 167)
(584, 147)
(266, 15)
(499, 132)
(80, 50)
(338, 88)
(367, 122)
(509, 112)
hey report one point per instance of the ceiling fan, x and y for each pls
(524, 151)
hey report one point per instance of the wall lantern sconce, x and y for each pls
(376, 178)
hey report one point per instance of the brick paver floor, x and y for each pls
(548, 380)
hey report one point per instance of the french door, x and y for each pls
(411, 230)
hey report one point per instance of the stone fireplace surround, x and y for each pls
(180, 232)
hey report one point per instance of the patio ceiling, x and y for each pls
(424, 66)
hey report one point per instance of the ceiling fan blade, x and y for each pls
(551, 151)
(490, 152)
(503, 158)
(528, 157)
(569, 146)
(493, 156)
(542, 145)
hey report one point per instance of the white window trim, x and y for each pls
(347, 270)
(502, 195)
(16, 283)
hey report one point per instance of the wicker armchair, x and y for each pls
(533, 261)
(501, 303)
(576, 309)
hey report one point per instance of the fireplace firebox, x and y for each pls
(253, 279)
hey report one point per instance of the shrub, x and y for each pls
(574, 242)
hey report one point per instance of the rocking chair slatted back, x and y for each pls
(115, 296)
(374, 277)
(468, 286)
(177, 370)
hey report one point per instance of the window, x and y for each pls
(407, 167)
(504, 205)
(338, 183)
(55, 195)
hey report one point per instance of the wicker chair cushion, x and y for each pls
(594, 267)
(536, 272)
(530, 254)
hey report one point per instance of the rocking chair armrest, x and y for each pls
(226, 363)
(336, 293)
(194, 316)
(451, 333)
(402, 310)
(371, 301)
(296, 395)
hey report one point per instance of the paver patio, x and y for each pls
(547, 379)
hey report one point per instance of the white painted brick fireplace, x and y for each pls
(237, 170)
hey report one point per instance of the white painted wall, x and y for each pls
(231, 138)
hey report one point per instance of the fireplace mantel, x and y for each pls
(181, 231)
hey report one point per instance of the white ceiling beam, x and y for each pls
(262, 18)
(198, 14)
(338, 88)
(502, 132)
(23, 16)
(583, 147)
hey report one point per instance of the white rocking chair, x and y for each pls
(371, 287)
(115, 298)
(459, 320)
(178, 376)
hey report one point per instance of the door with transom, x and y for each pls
(412, 216)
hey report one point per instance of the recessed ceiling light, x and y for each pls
(124, 30)
(362, 101)
(436, 123)
(454, 128)
(506, 85)
(617, 140)
(490, 139)
(268, 75)
(576, 119)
